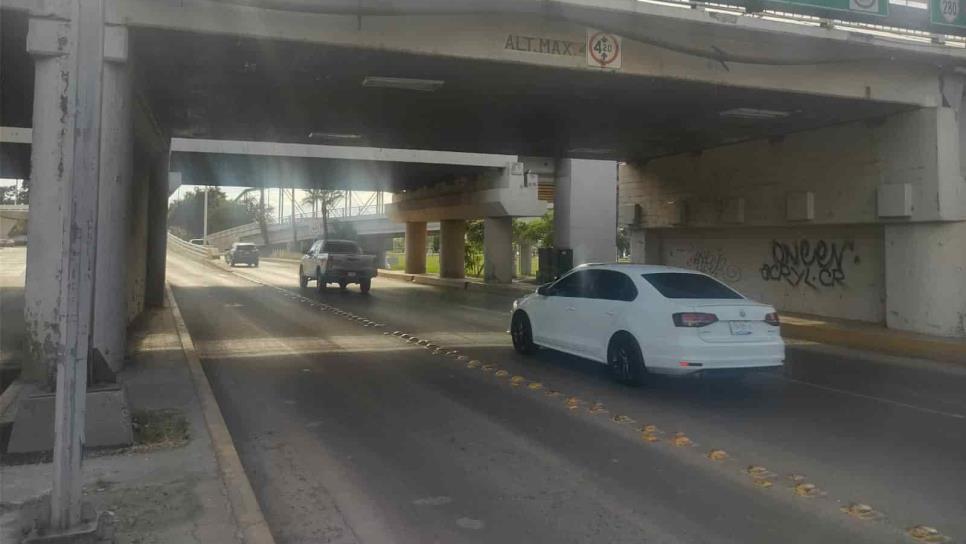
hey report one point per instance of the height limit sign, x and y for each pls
(603, 50)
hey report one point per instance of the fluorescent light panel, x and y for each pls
(404, 83)
(753, 113)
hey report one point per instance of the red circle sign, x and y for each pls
(603, 48)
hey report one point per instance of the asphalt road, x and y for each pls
(352, 434)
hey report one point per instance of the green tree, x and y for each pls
(260, 212)
(473, 257)
(186, 215)
(324, 199)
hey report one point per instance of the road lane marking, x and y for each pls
(924, 533)
(717, 455)
(862, 511)
(874, 398)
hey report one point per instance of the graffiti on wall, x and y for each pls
(815, 264)
(713, 262)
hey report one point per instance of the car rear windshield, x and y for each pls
(684, 285)
(245, 247)
(342, 247)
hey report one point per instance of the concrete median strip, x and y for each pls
(244, 505)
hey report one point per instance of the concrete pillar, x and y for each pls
(157, 232)
(51, 157)
(525, 263)
(925, 272)
(498, 249)
(585, 209)
(645, 246)
(114, 190)
(416, 247)
(452, 248)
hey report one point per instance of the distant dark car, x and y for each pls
(242, 253)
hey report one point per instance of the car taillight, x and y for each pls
(772, 319)
(693, 319)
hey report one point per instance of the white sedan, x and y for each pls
(641, 318)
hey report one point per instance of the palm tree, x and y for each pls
(261, 216)
(325, 199)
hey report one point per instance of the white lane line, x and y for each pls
(878, 399)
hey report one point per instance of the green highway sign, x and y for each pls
(947, 13)
(865, 7)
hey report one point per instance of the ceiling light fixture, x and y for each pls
(591, 151)
(335, 136)
(753, 113)
(404, 83)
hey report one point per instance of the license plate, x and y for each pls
(740, 328)
(351, 274)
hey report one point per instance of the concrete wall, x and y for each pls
(936, 252)
(842, 166)
(834, 271)
(861, 221)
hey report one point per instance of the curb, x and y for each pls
(469, 285)
(244, 506)
(885, 341)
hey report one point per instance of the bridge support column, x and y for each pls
(452, 248)
(157, 229)
(498, 249)
(526, 265)
(416, 247)
(51, 157)
(114, 193)
(585, 209)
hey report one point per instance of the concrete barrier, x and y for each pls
(187, 248)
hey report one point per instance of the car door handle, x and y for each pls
(571, 309)
(611, 314)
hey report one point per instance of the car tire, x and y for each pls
(625, 360)
(303, 279)
(365, 285)
(231, 264)
(342, 285)
(255, 264)
(319, 281)
(522, 334)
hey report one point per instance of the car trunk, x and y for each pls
(738, 321)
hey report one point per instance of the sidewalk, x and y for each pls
(165, 490)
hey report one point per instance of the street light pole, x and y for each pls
(79, 257)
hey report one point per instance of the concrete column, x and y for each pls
(585, 209)
(498, 249)
(416, 247)
(925, 272)
(525, 264)
(110, 302)
(452, 248)
(51, 157)
(157, 231)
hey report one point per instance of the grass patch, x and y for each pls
(159, 429)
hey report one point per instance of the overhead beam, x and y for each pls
(369, 154)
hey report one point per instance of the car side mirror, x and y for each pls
(543, 290)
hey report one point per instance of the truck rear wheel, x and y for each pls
(365, 285)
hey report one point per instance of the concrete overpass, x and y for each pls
(723, 118)
(374, 231)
